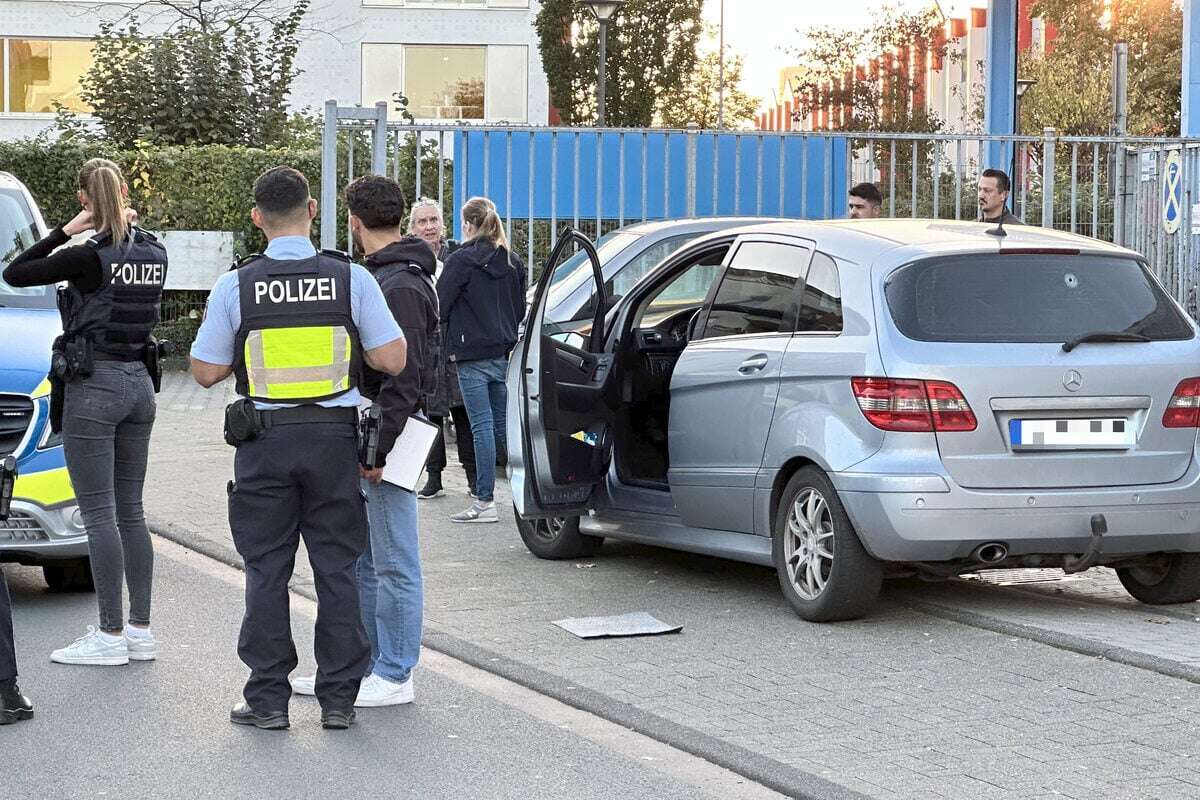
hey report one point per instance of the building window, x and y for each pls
(39, 72)
(440, 82)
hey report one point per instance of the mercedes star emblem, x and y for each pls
(1072, 380)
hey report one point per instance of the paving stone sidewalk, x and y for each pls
(902, 704)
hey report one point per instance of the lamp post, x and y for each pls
(604, 10)
(1023, 86)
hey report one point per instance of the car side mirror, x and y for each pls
(691, 328)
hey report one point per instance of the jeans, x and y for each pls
(485, 396)
(389, 582)
(107, 419)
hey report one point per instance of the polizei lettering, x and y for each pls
(137, 274)
(295, 290)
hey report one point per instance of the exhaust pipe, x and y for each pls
(990, 553)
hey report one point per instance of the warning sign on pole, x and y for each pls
(1172, 193)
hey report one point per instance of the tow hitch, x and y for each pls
(1091, 557)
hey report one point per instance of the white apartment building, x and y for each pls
(472, 60)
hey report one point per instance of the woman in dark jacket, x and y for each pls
(425, 221)
(481, 294)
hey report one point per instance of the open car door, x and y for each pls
(559, 438)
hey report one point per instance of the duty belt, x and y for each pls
(102, 356)
(303, 414)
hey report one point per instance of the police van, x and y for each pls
(44, 527)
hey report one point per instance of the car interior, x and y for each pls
(650, 342)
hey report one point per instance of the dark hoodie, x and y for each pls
(404, 270)
(482, 296)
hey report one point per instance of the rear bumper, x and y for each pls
(942, 522)
(34, 534)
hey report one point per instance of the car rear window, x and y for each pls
(1029, 298)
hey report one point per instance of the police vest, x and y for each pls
(297, 342)
(120, 315)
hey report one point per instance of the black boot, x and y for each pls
(432, 487)
(14, 706)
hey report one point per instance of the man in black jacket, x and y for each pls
(389, 572)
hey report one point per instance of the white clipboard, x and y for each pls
(406, 461)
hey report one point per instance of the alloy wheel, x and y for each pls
(808, 544)
(549, 529)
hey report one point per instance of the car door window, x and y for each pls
(821, 302)
(686, 290)
(758, 291)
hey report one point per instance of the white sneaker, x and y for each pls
(478, 511)
(306, 685)
(94, 648)
(376, 691)
(142, 645)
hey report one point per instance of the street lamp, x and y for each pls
(604, 10)
(1023, 86)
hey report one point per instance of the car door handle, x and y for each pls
(753, 364)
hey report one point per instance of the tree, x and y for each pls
(890, 103)
(651, 52)
(1074, 80)
(698, 100)
(196, 83)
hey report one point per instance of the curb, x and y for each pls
(768, 772)
(1062, 641)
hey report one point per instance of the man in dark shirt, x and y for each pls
(389, 571)
(994, 188)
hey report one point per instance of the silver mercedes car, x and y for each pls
(850, 400)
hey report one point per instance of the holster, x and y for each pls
(243, 423)
(368, 436)
(8, 482)
(152, 357)
(58, 394)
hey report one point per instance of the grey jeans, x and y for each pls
(107, 420)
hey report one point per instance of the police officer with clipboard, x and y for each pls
(293, 326)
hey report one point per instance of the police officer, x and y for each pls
(103, 398)
(14, 706)
(293, 326)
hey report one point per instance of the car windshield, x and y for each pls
(577, 270)
(17, 232)
(1030, 298)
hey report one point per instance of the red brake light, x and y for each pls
(1183, 411)
(913, 406)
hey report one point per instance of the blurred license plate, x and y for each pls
(1110, 433)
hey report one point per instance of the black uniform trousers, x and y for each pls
(466, 444)
(292, 481)
(8, 651)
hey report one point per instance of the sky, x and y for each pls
(761, 30)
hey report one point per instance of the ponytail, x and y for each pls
(481, 212)
(101, 180)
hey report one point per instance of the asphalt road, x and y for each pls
(161, 729)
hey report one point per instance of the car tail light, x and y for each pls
(901, 404)
(1184, 409)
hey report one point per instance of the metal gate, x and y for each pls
(540, 178)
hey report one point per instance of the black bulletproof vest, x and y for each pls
(120, 315)
(304, 293)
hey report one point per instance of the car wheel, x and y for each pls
(69, 576)
(556, 538)
(824, 571)
(1176, 579)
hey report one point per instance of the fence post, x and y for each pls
(379, 141)
(693, 135)
(1049, 139)
(329, 177)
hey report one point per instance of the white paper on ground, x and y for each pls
(638, 623)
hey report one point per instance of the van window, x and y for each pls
(821, 303)
(17, 232)
(758, 292)
(1029, 298)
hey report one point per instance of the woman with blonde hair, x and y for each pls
(482, 297)
(109, 308)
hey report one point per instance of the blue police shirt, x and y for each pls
(215, 340)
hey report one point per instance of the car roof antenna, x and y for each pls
(999, 229)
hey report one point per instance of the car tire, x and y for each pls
(557, 538)
(1178, 581)
(69, 576)
(822, 584)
